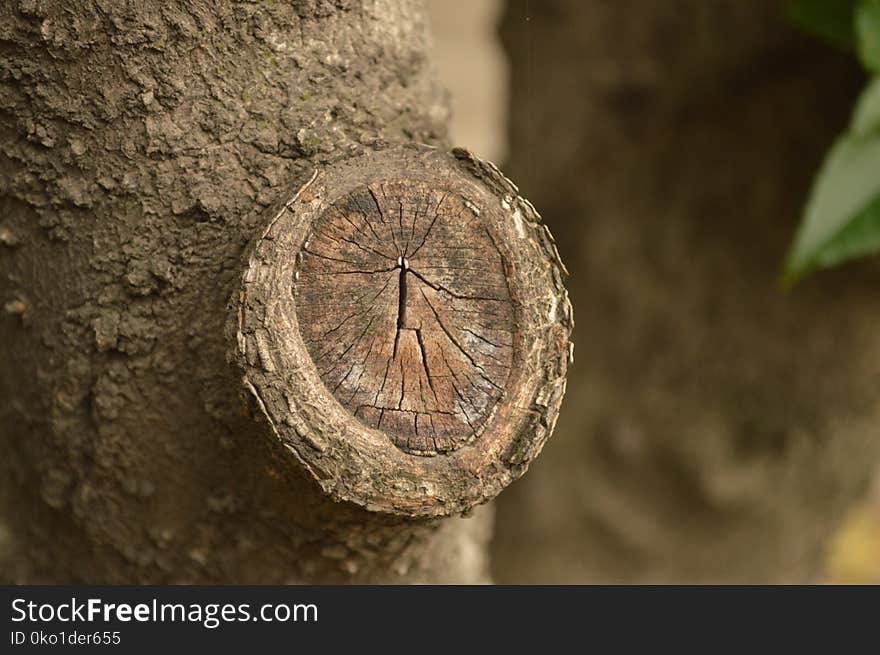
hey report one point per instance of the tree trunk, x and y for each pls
(718, 428)
(144, 147)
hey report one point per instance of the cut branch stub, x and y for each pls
(403, 327)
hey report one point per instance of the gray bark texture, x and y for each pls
(717, 428)
(141, 146)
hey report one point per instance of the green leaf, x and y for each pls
(867, 28)
(842, 217)
(866, 115)
(859, 238)
(831, 20)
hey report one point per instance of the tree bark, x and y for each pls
(718, 428)
(145, 145)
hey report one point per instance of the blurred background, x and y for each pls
(716, 428)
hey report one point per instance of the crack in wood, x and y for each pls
(425, 367)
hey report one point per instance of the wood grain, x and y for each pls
(405, 310)
(403, 326)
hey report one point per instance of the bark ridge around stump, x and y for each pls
(403, 327)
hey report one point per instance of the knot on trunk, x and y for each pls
(403, 327)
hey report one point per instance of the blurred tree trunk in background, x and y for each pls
(716, 429)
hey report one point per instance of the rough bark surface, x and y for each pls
(140, 147)
(716, 429)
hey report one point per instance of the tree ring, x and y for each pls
(403, 327)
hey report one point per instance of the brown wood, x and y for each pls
(403, 326)
(404, 308)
